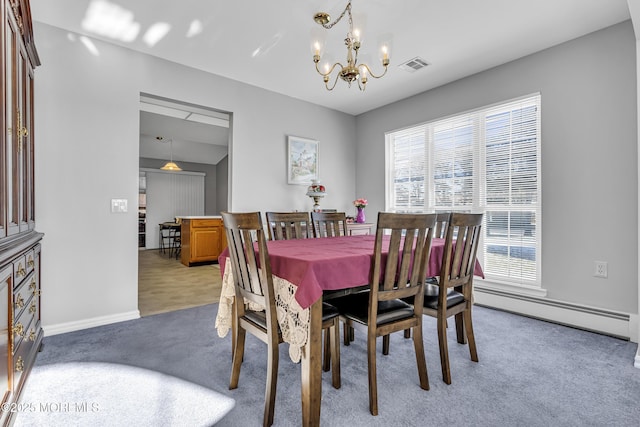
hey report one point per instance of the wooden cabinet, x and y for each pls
(20, 328)
(203, 239)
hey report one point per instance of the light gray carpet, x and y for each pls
(110, 395)
(531, 373)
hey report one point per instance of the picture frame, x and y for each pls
(302, 160)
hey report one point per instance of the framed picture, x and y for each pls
(302, 160)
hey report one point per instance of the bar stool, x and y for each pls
(175, 240)
(164, 236)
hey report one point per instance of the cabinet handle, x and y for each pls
(32, 307)
(22, 131)
(19, 301)
(21, 271)
(32, 335)
(19, 364)
(18, 329)
(30, 263)
(33, 285)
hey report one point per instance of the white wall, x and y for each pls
(589, 158)
(86, 108)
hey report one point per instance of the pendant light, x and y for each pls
(170, 165)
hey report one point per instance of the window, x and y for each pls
(485, 161)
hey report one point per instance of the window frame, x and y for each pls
(479, 200)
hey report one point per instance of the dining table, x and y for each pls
(305, 270)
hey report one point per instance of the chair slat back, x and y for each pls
(289, 225)
(460, 249)
(442, 222)
(405, 266)
(251, 269)
(329, 224)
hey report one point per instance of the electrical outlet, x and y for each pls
(600, 269)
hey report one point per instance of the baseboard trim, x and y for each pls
(636, 363)
(61, 328)
(583, 317)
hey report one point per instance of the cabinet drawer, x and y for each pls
(24, 292)
(19, 270)
(31, 260)
(22, 324)
(22, 360)
(34, 328)
(206, 223)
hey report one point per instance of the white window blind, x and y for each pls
(171, 194)
(485, 161)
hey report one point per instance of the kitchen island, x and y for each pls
(202, 239)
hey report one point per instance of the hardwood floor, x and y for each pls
(164, 284)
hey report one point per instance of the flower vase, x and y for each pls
(360, 218)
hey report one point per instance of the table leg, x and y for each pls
(311, 369)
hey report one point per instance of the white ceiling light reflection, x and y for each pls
(89, 45)
(267, 46)
(110, 20)
(155, 33)
(195, 28)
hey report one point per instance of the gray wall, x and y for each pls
(589, 157)
(211, 188)
(222, 195)
(87, 106)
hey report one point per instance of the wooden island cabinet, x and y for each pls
(202, 239)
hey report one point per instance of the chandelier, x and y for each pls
(352, 71)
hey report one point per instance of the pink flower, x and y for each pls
(360, 203)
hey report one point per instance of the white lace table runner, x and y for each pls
(293, 319)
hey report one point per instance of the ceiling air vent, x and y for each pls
(414, 64)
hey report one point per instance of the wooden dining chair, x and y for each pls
(296, 225)
(431, 284)
(398, 269)
(442, 221)
(329, 224)
(253, 285)
(455, 285)
(289, 225)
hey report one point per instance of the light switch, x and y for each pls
(119, 205)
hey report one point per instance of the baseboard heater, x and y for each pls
(578, 316)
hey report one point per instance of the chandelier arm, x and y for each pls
(328, 73)
(371, 72)
(362, 86)
(334, 83)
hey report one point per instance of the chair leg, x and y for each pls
(385, 344)
(334, 334)
(420, 357)
(234, 329)
(407, 333)
(373, 384)
(326, 356)
(444, 350)
(462, 339)
(472, 340)
(347, 330)
(238, 355)
(272, 378)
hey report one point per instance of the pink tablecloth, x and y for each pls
(317, 265)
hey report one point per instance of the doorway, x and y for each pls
(199, 141)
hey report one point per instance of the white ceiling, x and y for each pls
(190, 141)
(267, 43)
